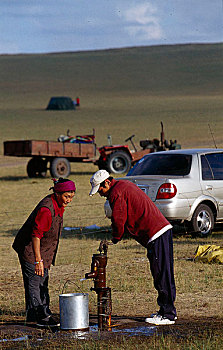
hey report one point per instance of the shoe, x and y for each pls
(159, 320)
(49, 322)
(157, 314)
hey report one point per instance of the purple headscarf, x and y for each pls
(63, 186)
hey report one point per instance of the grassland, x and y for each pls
(122, 92)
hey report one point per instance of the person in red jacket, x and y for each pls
(36, 244)
(133, 212)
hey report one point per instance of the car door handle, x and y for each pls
(209, 187)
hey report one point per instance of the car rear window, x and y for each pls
(162, 164)
(212, 166)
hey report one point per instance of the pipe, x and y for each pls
(98, 274)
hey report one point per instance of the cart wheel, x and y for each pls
(60, 167)
(118, 162)
(37, 167)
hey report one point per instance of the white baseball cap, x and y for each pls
(97, 179)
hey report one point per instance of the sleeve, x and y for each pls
(119, 217)
(42, 223)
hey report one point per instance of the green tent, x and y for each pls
(60, 103)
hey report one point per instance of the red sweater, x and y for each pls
(43, 218)
(49, 241)
(133, 212)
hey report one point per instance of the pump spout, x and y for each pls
(94, 270)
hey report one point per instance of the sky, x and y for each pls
(41, 26)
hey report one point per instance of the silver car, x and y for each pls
(186, 185)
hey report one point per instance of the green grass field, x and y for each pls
(122, 92)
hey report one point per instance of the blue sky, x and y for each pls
(37, 26)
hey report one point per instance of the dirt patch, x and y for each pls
(12, 161)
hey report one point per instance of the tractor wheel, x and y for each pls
(203, 220)
(37, 167)
(60, 167)
(118, 162)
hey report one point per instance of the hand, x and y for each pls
(39, 269)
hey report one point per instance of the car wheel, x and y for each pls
(60, 167)
(118, 162)
(203, 220)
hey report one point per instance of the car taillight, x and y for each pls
(166, 191)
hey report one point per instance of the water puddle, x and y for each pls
(25, 337)
(137, 331)
(133, 331)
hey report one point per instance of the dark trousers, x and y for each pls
(36, 292)
(160, 255)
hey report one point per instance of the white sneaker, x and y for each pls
(157, 314)
(159, 320)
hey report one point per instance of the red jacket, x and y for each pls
(133, 212)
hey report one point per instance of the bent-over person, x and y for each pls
(134, 213)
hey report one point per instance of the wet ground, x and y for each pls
(14, 331)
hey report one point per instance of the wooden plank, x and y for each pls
(39, 148)
(29, 148)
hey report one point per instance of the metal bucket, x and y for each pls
(74, 311)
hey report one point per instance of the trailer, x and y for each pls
(57, 155)
(53, 155)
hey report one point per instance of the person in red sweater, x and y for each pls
(36, 244)
(133, 212)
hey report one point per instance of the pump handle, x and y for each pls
(103, 246)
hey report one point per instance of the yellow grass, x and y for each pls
(118, 106)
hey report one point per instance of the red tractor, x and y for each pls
(118, 159)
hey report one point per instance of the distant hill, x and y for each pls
(154, 70)
(122, 92)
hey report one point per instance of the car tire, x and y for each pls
(202, 221)
(60, 167)
(118, 162)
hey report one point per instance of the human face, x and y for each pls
(103, 190)
(64, 198)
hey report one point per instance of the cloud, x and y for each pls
(142, 21)
(33, 26)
